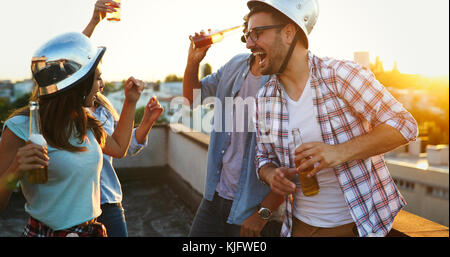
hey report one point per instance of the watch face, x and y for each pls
(264, 213)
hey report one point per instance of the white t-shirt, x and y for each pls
(328, 208)
(72, 194)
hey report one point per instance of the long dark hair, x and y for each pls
(64, 115)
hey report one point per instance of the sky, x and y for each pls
(152, 42)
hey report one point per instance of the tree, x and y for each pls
(157, 86)
(21, 101)
(109, 88)
(433, 124)
(173, 78)
(206, 70)
(140, 113)
(5, 108)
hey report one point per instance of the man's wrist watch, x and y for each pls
(264, 213)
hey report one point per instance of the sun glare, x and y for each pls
(422, 164)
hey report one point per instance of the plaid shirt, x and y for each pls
(349, 102)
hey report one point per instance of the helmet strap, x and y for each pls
(288, 55)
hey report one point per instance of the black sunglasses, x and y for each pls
(254, 33)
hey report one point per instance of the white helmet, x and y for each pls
(303, 12)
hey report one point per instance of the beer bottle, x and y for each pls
(310, 186)
(36, 176)
(206, 40)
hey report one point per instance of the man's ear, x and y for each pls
(288, 33)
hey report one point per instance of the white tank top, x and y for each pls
(328, 208)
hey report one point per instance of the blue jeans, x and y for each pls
(211, 219)
(113, 217)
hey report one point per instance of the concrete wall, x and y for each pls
(186, 154)
(154, 155)
(425, 191)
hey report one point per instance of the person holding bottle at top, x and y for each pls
(66, 73)
(113, 214)
(234, 203)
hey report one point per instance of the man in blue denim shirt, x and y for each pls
(235, 202)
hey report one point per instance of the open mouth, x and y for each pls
(261, 55)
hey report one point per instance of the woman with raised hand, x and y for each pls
(113, 214)
(67, 77)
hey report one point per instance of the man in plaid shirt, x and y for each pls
(348, 121)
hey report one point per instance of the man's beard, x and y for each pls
(273, 64)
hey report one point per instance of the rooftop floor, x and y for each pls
(152, 209)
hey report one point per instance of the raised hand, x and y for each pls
(101, 8)
(133, 89)
(196, 55)
(152, 111)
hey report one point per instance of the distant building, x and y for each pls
(166, 93)
(117, 98)
(22, 88)
(377, 67)
(153, 85)
(395, 68)
(362, 58)
(12, 91)
(172, 88)
(6, 89)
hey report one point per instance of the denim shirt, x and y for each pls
(226, 82)
(111, 190)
